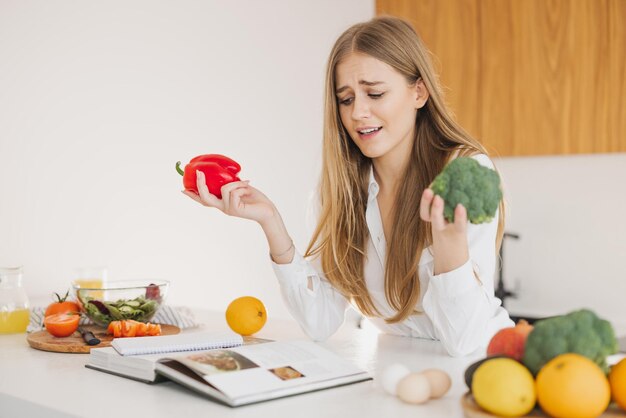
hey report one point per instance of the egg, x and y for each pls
(439, 380)
(413, 388)
(391, 375)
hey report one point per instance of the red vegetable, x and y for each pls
(62, 305)
(153, 292)
(61, 324)
(218, 171)
(130, 328)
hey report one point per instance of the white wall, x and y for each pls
(98, 100)
(569, 211)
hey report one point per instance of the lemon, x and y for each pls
(504, 387)
(246, 315)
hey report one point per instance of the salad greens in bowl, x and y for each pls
(125, 299)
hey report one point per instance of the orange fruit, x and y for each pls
(571, 385)
(246, 315)
(617, 380)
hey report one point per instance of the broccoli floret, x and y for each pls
(579, 332)
(474, 186)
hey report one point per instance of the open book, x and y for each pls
(136, 357)
(254, 372)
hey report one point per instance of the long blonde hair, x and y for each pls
(341, 235)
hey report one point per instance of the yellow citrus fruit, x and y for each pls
(504, 387)
(246, 315)
(617, 380)
(571, 385)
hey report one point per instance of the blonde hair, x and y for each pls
(341, 235)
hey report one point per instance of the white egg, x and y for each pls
(439, 380)
(413, 388)
(391, 375)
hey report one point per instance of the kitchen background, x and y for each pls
(98, 100)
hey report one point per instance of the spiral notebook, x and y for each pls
(180, 342)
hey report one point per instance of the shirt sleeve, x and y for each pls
(314, 303)
(461, 303)
(310, 298)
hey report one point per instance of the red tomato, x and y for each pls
(62, 324)
(62, 306)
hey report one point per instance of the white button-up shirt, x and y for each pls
(459, 307)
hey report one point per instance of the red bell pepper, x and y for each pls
(218, 170)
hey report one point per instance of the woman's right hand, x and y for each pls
(238, 199)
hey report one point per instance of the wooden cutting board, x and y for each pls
(42, 340)
(472, 410)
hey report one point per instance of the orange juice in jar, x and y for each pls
(91, 278)
(13, 322)
(14, 312)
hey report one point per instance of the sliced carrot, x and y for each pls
(131, 328)
(153, 329)
(117, 329)
(128, 329)
(142, 329)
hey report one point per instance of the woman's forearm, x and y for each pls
(280, 243)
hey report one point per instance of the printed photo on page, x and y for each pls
(260, 372)
(216, 361)
(275, 366)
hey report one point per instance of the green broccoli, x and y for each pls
(474, 186)
(579, 332)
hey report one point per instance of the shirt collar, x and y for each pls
(372, 188)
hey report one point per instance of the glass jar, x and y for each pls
(14, 313)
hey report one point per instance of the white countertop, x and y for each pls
(38, 383)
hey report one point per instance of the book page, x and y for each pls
(256, 369)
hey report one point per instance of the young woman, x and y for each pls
(381, 243)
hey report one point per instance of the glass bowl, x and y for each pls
(125, 299)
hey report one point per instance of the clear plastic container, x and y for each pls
(14, 312)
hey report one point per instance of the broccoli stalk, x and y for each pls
(474, 186)
(579, 332)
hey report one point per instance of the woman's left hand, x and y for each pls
(449, 239)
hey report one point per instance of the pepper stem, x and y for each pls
(181, 172)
